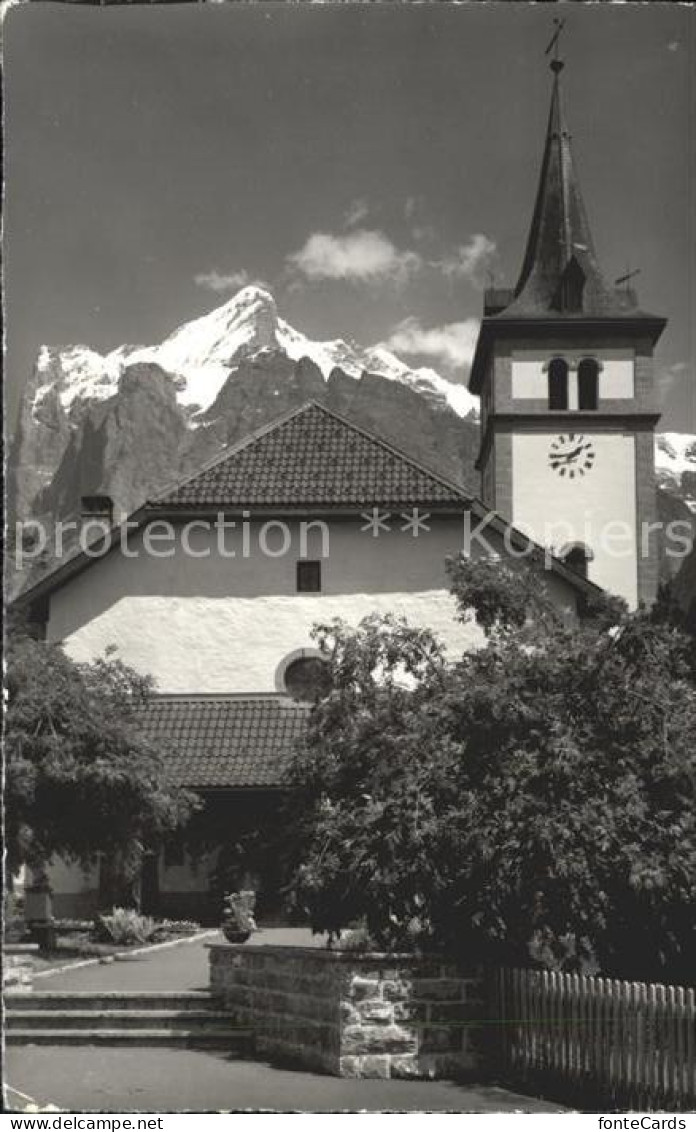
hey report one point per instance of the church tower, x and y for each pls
(564, 368)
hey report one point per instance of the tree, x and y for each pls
(81, 777)
(533, 800)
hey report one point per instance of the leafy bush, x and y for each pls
(532, 802)
(355, 938)
(81, 775)
(13, 906)
(13, 925)
(125, 926)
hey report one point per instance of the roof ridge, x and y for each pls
(231, 450)
(285, 418)
(394, 450)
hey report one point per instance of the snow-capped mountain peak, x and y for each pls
(200, 355)
(675, 464)
(205, 350)
(676, 452)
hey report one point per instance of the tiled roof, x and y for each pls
(311, 458)
(226, 741)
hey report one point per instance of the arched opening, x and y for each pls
(577, 557)
(572, 287)
(588, 384)
(558, 384)
(306, 678)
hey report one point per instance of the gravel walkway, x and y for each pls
(181, 967)
(87, 1079)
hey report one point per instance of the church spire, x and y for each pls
(560, 273)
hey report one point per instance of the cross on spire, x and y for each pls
(556, 62)
(560, 272)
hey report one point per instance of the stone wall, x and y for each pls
(352, 1014)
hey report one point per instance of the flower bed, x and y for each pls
(353, 1014)
(98, 939)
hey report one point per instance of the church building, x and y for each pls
(313, 518)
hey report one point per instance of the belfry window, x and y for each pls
(588, 384)
(558, 384)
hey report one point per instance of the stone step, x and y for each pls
(110, 1000)
(21, 1019)
(211, 1037)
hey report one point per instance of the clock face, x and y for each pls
(571, 455)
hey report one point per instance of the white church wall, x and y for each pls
(617, 379)
(220, 625)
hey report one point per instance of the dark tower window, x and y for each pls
(558, 384)
(578, 558)
(572, 287)
(308, 577)
(588, 384)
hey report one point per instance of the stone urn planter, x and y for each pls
(238, 921)
(38, 914)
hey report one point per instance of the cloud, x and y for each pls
(667, 378)
(452, 345)
(470, 261)
(424, 233)
(215, 281)
(356, 212)
(359, 256)
(674, 45)
(421, 229)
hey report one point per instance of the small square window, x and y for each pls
(309, 577)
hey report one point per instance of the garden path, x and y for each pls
(180, 967)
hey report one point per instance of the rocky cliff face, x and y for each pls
(127, 423)
(685, 588)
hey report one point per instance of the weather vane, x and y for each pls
(560, 24)
(627, 277)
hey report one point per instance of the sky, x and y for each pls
(374, 165)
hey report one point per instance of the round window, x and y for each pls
(308, 678)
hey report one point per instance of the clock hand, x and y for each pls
(567, 457)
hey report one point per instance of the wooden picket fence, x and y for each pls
(599, 1041)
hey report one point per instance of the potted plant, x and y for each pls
(238, 919)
